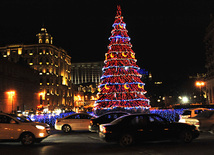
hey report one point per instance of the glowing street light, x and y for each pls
(11, 95)
(200, 84)
(42, 97)
(185, 99)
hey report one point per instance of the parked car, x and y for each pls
(191, 113)
(105, 118)
(77, 121)
(203, 121)
(14, 128)
(141, 127)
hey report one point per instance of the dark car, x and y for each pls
(142, 127)
(105, 118)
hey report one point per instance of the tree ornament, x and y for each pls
(124, 55)
(126, 86)
(107, 88)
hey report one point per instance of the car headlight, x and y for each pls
(40, 127)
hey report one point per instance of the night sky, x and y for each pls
(167, 35)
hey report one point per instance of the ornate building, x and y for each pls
(53, 64)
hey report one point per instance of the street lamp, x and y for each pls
(200, 84)
(11, 95)
(185, 99)
(42, 97)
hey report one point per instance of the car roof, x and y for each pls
(114, 112)
(82, 113)
(140, 114)
(196, 109)
(2, 113)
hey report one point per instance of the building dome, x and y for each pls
(44, 37)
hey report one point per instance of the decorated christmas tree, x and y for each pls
(121, 86)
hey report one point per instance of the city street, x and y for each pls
(89, 143)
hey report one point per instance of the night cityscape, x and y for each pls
(117, 77)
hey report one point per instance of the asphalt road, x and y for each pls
(76, 143)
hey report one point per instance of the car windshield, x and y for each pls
(205, 114)
(187, 112)
(23, 119)
(116, 121)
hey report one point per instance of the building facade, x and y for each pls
(19, 87)
(209, 45)
(53, 65)
(86, 78)
(88, 72)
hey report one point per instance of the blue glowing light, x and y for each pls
(122, 24)
(104, 68)
(119, 37)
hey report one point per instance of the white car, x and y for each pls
(14, 128)
(77, 121)
(203, 121)
(191, 113)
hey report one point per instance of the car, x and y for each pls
(105, 118)
(203, 121)
(191, 113)
(14, 128)
(146, 127)
(77, 121)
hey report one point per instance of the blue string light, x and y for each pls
(104, 68)
(119, 37)
(122, 24)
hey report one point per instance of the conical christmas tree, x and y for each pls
(121, 85)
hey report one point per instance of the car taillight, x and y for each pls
(104, 130)
(197, 123)
(91, 122)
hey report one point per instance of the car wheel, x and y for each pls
(126, 140)
(27, 139)
(66, 128)
(186, 136)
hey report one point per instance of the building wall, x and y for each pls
(86, 72)
(209, 45)
(21, 80)
(210, 91)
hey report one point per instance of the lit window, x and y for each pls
(47, 41)
(40, 41)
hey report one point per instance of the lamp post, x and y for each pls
(41, 97)
(200, 84)
(11, 96)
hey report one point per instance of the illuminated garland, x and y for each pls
(101, 85)
(130, 100)
(104, 68)
(109, 76)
